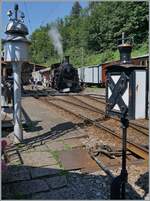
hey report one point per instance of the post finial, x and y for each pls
(122, 37)
(16, 8)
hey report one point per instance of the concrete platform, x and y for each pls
(34, 165)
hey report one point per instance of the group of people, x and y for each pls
(34, 82)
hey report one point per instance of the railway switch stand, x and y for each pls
(125, 98)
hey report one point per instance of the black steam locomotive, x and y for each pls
(64, 77)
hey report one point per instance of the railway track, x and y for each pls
(77, 102)
(74, 100)
(89, 103)
(98, 100)
(131, 145)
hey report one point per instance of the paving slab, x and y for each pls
(73, 143)
(40, 119)
(29, 187)
(55, 146)
(44, 171)
(56, 182)
(38, 159)
(14, 157)
(77, 159)
(15, 173)
(73, 135)
(41, 148)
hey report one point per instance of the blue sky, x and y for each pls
(38, 12)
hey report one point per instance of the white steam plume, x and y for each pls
(56, 40)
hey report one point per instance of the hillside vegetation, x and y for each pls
(90, 35)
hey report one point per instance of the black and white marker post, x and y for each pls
(118, 184)
(125, 98)
(116, 86)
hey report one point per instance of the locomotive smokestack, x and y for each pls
(66, 59)
(125, 50)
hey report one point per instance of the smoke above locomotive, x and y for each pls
(56, 40)
(63, 76)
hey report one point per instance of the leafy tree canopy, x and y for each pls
(92, 30)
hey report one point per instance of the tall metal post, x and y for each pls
(124, 174)
(17, 100)
(16, 52)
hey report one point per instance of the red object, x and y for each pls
(3, 143)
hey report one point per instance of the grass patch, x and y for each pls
(67, 147)
(56, 155)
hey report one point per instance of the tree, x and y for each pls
(76, 8)
(92, 30)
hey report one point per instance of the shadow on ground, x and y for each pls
(144, 179)
(26, 182)
(55, 132)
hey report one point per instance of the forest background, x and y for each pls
(90, 35)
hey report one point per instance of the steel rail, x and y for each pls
(98, 98)
(143, 132)
(84, 107)
(136, 149)
(139, 125)
(92, 98)
(131, 124)
(100, 95)
(95, 109)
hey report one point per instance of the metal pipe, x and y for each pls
(105, 169)
(17, 100)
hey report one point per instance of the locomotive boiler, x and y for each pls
(64, 77)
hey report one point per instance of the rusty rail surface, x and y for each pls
(97, 110)
(83, 107)
(133, 125)
(90, 106)
(136, 149)
(95, 99)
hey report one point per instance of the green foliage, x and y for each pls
(76, 8)
(90, 35)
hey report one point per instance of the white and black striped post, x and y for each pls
(126, 98)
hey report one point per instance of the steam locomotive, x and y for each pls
(64, 77)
